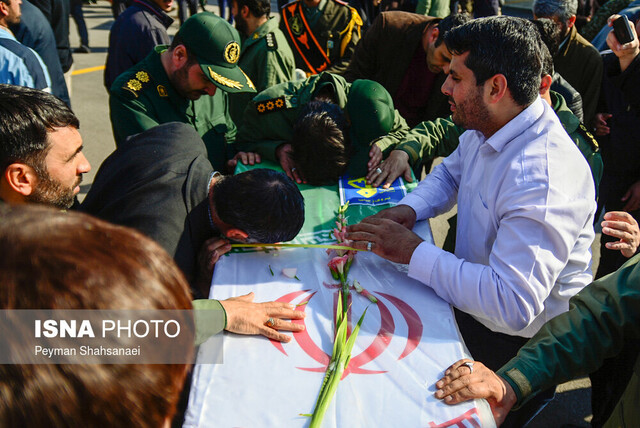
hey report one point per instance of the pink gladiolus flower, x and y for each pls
(336, 265)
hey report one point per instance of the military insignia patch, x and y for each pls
(232, 52)
(134, 85)
(142, 76)
(269, 106)
(329, 44)
(589, 137)
(296, 25)
(223, 80)
(162, 91)
(272, 44)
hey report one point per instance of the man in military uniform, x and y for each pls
(322, 34)
(361, 112)
(167, 86)
(266, 56)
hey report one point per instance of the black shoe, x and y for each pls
(82, 49)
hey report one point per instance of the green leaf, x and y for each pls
(271, 270)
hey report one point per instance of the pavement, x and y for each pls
(90, 102)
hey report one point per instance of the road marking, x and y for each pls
(87, 70)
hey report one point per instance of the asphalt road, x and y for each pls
(90, 103)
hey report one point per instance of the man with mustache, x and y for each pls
(186, 82)
(525, 196)
(40, 149)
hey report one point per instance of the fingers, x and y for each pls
(375, 156)
(274, 334)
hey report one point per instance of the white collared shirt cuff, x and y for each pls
(422, 261)
(417, 203)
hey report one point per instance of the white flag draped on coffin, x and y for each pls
(404, 345)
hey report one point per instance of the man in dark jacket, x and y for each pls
(144, 22)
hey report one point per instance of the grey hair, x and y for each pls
(561, 9)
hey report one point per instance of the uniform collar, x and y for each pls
(159, 74)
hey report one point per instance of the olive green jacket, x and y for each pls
(267, 59)
(440, 137)
(143, 97)
(601, 318)
(270, 116)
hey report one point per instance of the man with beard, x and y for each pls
(40, 149)
(405, 53)
(525, 196)
(19, 65)
(266, 56)
(169, 84)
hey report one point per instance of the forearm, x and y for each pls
(602, 317)
(210, 318)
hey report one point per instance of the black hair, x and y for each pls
(501, 45)
(264, 203)
(320, 145)
(550, 35)
(451, 21)
(258, 8)
(26, 117)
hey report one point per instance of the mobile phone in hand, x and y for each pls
(622, 30)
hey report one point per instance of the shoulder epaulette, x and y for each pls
(356, 16)
(137, 82)
(588, 137)
(271, 105)
(272, 43)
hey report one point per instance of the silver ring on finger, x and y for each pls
(470, 365)
(271, 323)
(369, 245)
(378, 170)
(293, 170)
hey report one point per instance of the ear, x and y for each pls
(237, 234)
(179, 56)
(244, 12)
(571, 21)
(435, 32)
(21, 178)
(545, 84)
(496, 88)
(4, 9)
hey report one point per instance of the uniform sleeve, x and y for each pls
(423, 7)
(363, 62)
(129, 116)
(262, 133)
(210, 318)
(601, 318)
(427, 140)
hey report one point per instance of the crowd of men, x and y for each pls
(512, 104)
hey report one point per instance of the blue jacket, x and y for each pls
(21, 66)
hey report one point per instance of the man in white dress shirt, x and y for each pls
(524, 192)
